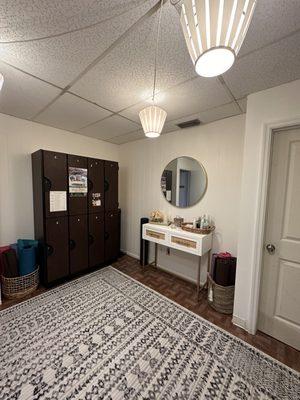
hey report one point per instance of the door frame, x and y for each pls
(269, 130)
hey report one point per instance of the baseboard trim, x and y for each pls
(131, 254)
(240, 322)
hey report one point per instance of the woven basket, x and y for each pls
(222, 296)
(21, 286)
(205, 231)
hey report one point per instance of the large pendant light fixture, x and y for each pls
(1, 81)
(214, 31)
(153, 117)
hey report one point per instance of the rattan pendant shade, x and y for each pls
(214, 31)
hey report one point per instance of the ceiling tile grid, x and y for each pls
(22, 95)
(187, 98)
(60, 59)
(109, 128)
(71, 113)
(128, 137)
(122, 80)
(272, 20)
(125, 76)
(205, 116)
(270, 66)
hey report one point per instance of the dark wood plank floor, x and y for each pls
(184, 293)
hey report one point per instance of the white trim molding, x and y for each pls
(267, 111)
(269, 131)
(241, 323)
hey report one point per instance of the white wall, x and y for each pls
(272, 108)
(18, 139)
(219, 147)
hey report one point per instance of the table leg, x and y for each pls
(198, 276)
(144, 250)
(208, 267)
(156, 248)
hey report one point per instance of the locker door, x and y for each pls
(112, 235)
(78, 243)
(96, 185)
(96, 239)
(57, 248)
(111, 170)
(78, 190)
(55, 178)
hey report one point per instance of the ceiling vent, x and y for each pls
(189, 124)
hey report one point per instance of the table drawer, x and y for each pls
(180, 241)
(155, 234)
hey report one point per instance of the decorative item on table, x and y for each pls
(178, 221)
(202, 225)
(157, 217)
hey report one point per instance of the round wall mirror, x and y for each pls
(183, 182)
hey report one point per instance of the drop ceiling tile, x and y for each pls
(128, 137)
(213, 114)
(60, 59)
(109, 128)
(185, 99)
(125, 76)
(265, 68)
(216, 113)
(272, 20)
(243, 104)
(71, 113)
(22, 95)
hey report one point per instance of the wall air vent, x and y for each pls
(188, 124)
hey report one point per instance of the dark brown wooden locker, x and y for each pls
(96, 239)
(111, 171)
(78, 242)
(96, 185)
(77, 200)
(112, 235)
(57, 249)
(54, 178)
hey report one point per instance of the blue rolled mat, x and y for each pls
(27, 250)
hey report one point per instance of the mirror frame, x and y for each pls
(204, 192)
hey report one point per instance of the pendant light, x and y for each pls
(153, 117)
(1, 81)
(214, 32)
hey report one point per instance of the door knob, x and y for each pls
(270, 248)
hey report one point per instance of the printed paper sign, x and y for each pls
(58, 201)
(78, 182)
(96, 201)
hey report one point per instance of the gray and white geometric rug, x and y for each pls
(106, 336)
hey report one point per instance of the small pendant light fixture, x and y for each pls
(214, 32)
(153, 117)
(1, 81)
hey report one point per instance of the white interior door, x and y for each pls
(279, 313)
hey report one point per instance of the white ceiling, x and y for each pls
(87, 66)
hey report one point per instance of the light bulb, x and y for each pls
(214, 62)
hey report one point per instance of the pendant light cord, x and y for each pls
(156, 49)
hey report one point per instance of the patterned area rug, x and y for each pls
(106, 336)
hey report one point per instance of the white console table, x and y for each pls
(179, 239)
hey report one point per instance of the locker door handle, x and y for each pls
(72, 244)
(91, 239)
(47, 184)
(106, 185)
(50, 250)
(106, 235)
(90, 185)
